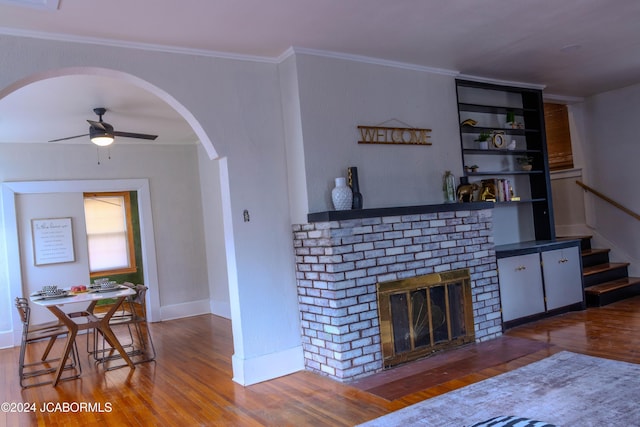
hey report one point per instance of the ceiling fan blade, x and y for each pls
(135, 135)
(69, 137)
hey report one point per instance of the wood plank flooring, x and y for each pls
(190, 383)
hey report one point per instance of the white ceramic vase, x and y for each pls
(341, 195)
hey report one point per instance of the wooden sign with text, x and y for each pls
(392, 135)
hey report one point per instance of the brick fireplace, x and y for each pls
(341, 256)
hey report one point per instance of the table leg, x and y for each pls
(110, 336)
(71, 337)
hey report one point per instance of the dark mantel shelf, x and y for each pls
(395, 211)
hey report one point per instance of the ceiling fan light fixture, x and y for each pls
(100, 137)
(102, 141)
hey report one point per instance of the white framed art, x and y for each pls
(52, 240)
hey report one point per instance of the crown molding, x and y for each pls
(132, 45)
(366, 60)
(291, 51)
(35, 4)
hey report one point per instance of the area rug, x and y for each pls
(566, 389)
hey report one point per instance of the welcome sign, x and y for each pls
(394, 135)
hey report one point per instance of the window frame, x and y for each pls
(133, 268)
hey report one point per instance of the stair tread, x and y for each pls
(612, 285)
(586, 271)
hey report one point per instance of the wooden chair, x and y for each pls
(133, 315)
(32, 333)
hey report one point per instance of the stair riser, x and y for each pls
(585, 244)
(605, 276)
(610, 297)
(595, 259)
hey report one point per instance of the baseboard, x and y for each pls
(187, 309)
(221, 308)
(263, 368)
(6, 339)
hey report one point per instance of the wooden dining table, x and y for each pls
(85, 319)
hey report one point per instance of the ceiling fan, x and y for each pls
(102, 133)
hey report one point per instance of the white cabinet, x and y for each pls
(562, 277)
(543, 279)
(520, 286)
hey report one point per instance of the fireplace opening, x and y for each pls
(424, 314)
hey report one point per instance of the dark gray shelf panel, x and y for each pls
(503, 173)
(498, 152)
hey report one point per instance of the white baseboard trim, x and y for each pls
(222, 309)
(263, 368)
(6, 339)
(187, 309)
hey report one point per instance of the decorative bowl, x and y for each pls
(50, 289)
(108, 285)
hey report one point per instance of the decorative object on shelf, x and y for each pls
(469, 122)
(341, 195)
(488, 190)
(498, 139)
(407, 135)
(512, 145)
(466, 192)
(525, 162)
(483, 140)
(471, 169)
(352, 174)
(449, 187)
(496, 190)
(511, 119)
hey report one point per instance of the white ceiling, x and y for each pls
(574, 48)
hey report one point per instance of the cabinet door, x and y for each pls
(520, 286)
(562, 277)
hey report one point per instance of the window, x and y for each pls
(556, 120)
(109, 233)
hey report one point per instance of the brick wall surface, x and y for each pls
(338, 264)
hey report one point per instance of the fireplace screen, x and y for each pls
(424, 314)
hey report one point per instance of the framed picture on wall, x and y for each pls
(52, 240)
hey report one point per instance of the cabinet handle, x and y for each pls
(522, 267)
(562, 260)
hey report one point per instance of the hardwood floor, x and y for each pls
(190, 383)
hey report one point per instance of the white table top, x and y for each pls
(122, 291)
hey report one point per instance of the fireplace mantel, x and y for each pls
(396, 211)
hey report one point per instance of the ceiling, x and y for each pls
(574, 48)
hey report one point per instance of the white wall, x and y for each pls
(237, 105)
(612, 155)
(175, 199)
(337, 95)
(216, 258)
(34, 277)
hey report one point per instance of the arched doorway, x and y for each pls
(158, 309)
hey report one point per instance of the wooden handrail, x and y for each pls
(608, 200)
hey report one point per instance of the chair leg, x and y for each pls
(71, 362)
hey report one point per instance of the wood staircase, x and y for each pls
(605, 281)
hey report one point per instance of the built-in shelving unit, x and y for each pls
(523, 210)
